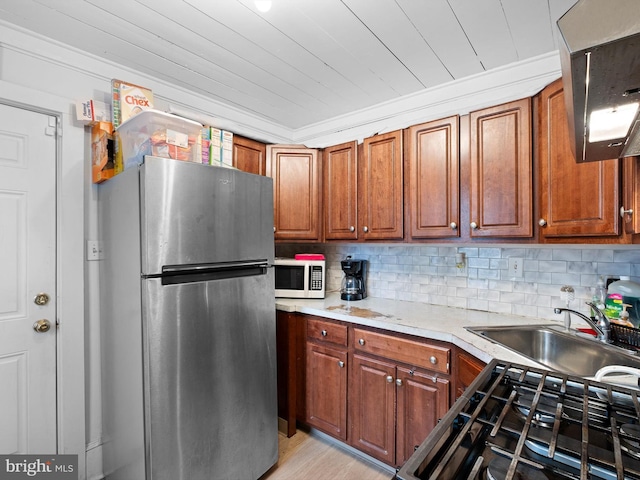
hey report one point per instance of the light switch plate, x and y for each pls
(515, 267)
(94, 250)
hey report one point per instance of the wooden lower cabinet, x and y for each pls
(378, 391)
(393, 407)
(290, 345)
(422, 400)
(372, 414)
(466, 370)
(327, 389)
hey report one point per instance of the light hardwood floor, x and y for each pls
(307, 456)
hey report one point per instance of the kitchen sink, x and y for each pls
(558, 349)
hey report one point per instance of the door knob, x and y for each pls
(42, 326)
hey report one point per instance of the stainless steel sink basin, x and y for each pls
(558, 349)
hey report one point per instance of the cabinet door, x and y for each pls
(372, 413)
(467, 369)
(290, 354)
(423, 399)
(249, 155)
(575, 199)
(501, 164)
(433, 179)
(296, 192)
(380, 177)
(327, 390)
(340, 165)
(631, 207)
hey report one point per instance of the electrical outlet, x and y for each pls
(516, 267)
(94, 250)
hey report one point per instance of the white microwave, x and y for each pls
(299, 278)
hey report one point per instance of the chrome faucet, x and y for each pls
(600, 323)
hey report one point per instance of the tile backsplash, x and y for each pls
(428, 273)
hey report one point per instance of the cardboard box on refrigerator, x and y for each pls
(215, 153)
(206, 145)
(227, 148)
(92, 111)
(102, 152)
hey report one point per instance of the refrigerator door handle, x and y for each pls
(172, 275)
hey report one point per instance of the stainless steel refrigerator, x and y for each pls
(187, 323)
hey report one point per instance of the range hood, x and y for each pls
(600, 59)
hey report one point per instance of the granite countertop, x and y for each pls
(419, 319)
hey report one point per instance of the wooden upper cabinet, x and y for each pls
(501, 171)
(630, 211)
(249, 155)
(575, 199)
(432, 180)
(381, 188)
(340, 166)
(296, 191)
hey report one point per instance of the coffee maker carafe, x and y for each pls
(353, 284)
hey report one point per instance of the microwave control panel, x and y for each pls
(316, 278)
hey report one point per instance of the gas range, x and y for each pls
(519, 422)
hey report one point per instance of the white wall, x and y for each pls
(43, 74)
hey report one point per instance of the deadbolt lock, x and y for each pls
(41, 299)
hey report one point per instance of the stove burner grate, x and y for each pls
(521, 422)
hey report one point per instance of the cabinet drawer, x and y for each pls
(327, 331)
(411, 352)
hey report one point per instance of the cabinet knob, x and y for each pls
(473, 225)
(624, 212)
(365, 229)
(361, 341)
(433, 359)
(389, 379)
(352, 228)
(340, 364)
(274, 229)
(542, 222)
(399, 382)
(324, 333)
(453, 225)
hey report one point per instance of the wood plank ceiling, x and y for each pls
(304, 61)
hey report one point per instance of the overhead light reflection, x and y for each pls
(263, 5)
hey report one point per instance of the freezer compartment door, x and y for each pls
(210, 378)
(194, 214)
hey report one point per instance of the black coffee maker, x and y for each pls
(353, 284)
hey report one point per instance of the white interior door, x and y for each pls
(27, 281)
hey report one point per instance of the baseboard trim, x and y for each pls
(350, 449)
